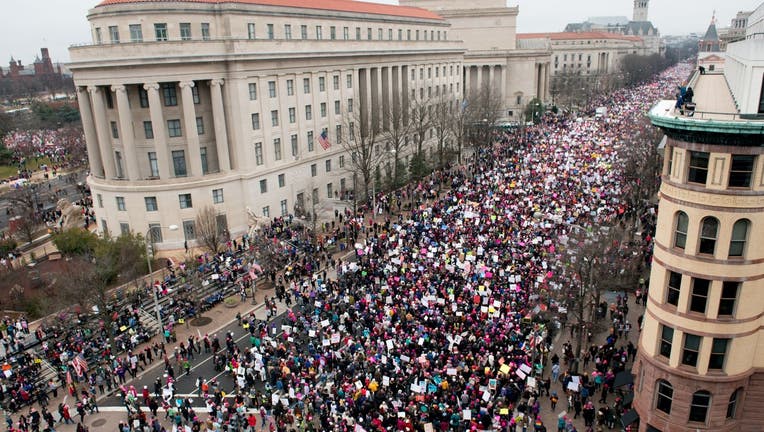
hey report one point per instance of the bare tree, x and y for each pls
(459, 118)
(485, 109)
(208, 229)
(441, 123)
(396, 135)
(362, 146)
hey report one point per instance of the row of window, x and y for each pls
(318, 33)
(700, 292)
(709, 233)
(184, 200)
(173, 128)
(292, 113)
(160, 32)
(169, 96)
(740, 173)
(699, 404)
(691, 349)
(185, 32)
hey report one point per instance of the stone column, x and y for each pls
(466, 86)
(102, 131)
(504, 94)
(160, 133)
(491, 82)
(218, 118)
(127, 134)
(91, 138)
(479, 83)
(189, 122)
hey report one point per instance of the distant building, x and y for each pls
(639, 26)
(710, 49)
(736, 30)
(42, 74)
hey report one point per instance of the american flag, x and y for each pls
(79, 364)
(323, 139)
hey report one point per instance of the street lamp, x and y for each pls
(149, 241)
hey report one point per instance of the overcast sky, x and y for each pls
(57, 24)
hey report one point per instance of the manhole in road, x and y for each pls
(98, 423)
(201, 321)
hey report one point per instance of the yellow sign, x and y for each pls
(181, 321)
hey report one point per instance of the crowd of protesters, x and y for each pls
(435, 324)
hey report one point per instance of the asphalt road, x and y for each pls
(69, 190)
(202, 364)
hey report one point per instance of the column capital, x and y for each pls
(151, 86)
(217, 82)
(184, 84)
(118, 88)
(93, 89)
(82, 89)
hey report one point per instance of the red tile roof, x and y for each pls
(331, 5)
(577, 35)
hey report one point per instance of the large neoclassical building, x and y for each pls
(701, 351)
(241, 104)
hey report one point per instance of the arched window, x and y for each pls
(680, 230)
(739, 237)
(732, 404)
(701, 400)
(665, 395)
(709, 229)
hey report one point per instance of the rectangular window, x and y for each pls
(251, 31)
(270, 33)
(185, 201)
(267, 211)
(287, 31)
(667, 339)
(306, 85)
(337, 108)
(205, 31)
(124, 228)
(699, 296)
(322, 84)
(698, 171)
(121, 204)
(185, 31)
(290, 87)
(282, 180)
(98, 39)
(313, 170)
(143, 97)
(195, 95)
(323, 109)
(200, 125)
(151, 204)
(169, 94)
(292, 115)
(358, 33)
(153, 165)
(217, 196)
(272, 89)
(179, 163)
(284, 208)
(255, 121)
(729, 298)
(338, 133)
(351, 131)
(275, 118)
(258, 153)
(350, 105)
(319, 33)
(189, 230)
(690, 350)
(295, 148)
(328, 165)
(114, 34)
(310, 141)
(252, 91)
(100, 200)
(277, 149)
(389, 34)
(155, 233)
(673, 288)
(303, 31)
(718, 353)
(114, 130)
(263, 186)
(368, 33)
(136, 33)
(203, 157)
(400, 34)
(349, 79)
(342, 161)
(332, 32)
(173, 128)
(148, 130)
(329, 190)
(308, 112)
(345, 33)
(741, 171)
(336, 82)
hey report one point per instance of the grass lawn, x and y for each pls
(32, 164)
